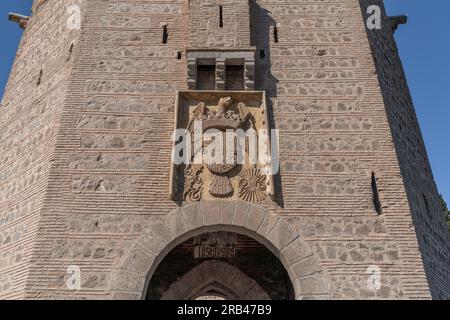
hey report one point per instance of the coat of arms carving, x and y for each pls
(222, 147)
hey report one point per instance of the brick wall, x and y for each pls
(29, 122)
(106, 172)
(423, 196)
(334, 133)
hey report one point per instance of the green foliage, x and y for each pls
(446, 211)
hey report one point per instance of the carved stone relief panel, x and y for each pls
(222, 147)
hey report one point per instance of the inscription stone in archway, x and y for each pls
(215, 245)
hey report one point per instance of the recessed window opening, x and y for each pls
(39, 80)
(206, 77)
(376, 195)
(70, 51)
(262, 54)
(427, 205)
(165, 34)
(275, 34)
(221, 16)
(235, 78)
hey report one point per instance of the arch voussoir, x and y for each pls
(160, 228)
(192, 216)
(127, 281)
(227, 212)
(163, 234)
(305, 267)
(241, 210)
(281, 235)
(210, 212)
(176, 223)
(139, 260)
(311, 287)
(269, 221)
(296, 251)
(151, 241)
(255, 217)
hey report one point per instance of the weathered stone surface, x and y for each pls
(255, 217)
(282, 234)
(227, 212)
(211, 212)
(128, 282)
(103, 184)
(193, 216)
(305, 267)
(176, 223)
(241, 213)
(152, 242)
(311, 285)
(296, 251)
(140, 261)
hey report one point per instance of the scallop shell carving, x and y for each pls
(252, 186)
(221, 187)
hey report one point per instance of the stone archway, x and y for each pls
(130, 281)
(209, 277)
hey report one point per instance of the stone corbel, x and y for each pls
(20, 19)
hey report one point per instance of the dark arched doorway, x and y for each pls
(220, 265)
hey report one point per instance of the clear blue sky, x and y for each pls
(424, 45)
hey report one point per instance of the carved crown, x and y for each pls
(223, 118)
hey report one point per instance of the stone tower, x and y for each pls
(94, 205)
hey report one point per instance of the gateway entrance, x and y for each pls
(220, 266)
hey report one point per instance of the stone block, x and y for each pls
(211, 212)
(227, 212)
(241, 213)
(256, 216)
(192, 216)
